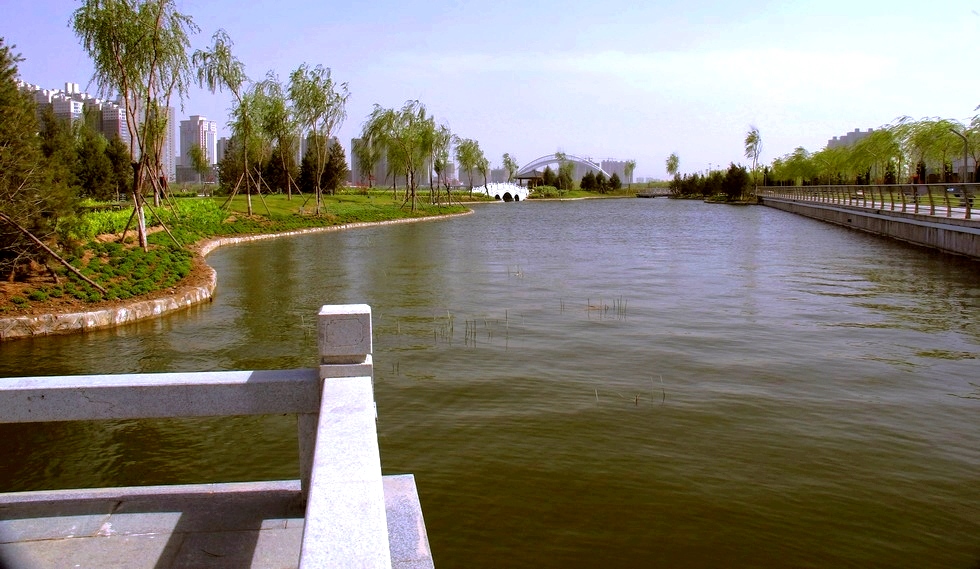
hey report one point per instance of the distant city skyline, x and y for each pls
(630, 81)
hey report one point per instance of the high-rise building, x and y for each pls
(67, 109)
(849, 138)
(198, 131)
(113, 119)
(168, 160)
(223, 143)
(617, 167)
(108, 117)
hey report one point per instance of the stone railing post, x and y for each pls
(344, 347)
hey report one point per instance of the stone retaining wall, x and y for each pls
(46, 324)
(950, 235)
(179, 299)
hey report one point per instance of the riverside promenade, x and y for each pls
(939, 216)
(341, 512)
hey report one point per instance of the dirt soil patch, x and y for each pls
(39, 275)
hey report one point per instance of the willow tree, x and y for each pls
(139, 52)
(510, 165)
(278, 124)
(483, 166)
(440, 161)
(468, 155)
(973, 147)
(927, 142)
(797, 166)
(628, 170)
(753, 149)
(673, 164)
(245, 120)
(835, 165)
(199, 162)
(876, 152)
(407, 136)
(946, 144)
(368, 153)
(218, 69)
(320, 106)
(565, 170)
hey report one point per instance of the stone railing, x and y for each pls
(345, 521)
(906, 198)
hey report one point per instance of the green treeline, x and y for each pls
(905, 151)
(731, 184)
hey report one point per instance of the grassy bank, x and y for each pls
(125, 271)
(551, 193)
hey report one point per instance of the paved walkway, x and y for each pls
(255, 525)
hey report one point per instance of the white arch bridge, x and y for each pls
(582, 165)
(503, 192)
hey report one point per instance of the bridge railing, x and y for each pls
(345, 522)
(914, 198)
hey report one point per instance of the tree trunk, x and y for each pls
(138, 205)
(289, 177)
(38, 242)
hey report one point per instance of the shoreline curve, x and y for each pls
(180, 298)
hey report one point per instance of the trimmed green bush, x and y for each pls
(544, 192)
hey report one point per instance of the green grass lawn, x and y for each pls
(126, 270)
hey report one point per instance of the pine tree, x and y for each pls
(31, 202)
(93, 168)
(614, 182)
(122, 170)
(335, 170)
(588, 181)
(307, 173)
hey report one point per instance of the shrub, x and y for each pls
(37, 295)
(88, 225)
(735, 183)
(544, 192)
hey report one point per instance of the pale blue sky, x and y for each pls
(615, 79)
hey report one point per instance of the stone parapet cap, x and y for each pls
(344, 333)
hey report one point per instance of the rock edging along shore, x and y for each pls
(180, 298)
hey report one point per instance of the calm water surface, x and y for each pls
(622, 383)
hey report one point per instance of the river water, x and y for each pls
(615, 383)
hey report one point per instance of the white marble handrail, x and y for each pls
(345, 523)
(158, 395)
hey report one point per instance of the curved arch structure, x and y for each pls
(550, 159)
(504, 192)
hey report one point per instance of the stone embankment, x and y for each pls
(954, 235)
(179, 298)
